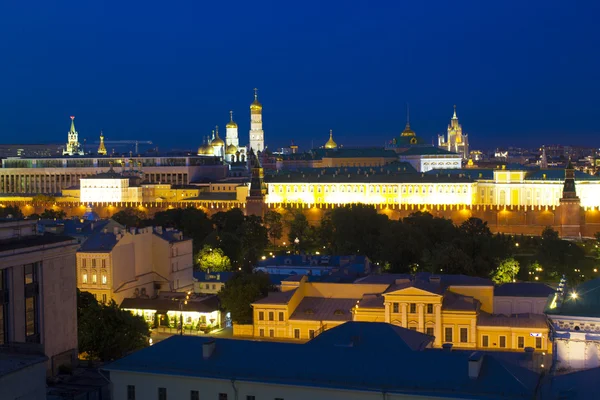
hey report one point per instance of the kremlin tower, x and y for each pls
(257, 135)
(73, 146)
(101, 148)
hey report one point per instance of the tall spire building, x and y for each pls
(456, 141)
(73, 145)
(101, 148)
(257, 135)
(231, 132)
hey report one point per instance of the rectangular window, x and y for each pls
(194, 395)
(271, 333)
(448, 335)
(104, 297)
(538, 342)
(208, 285)
(83, 262)
(281, 317)
(413, 308)
(271, 316)
(93, 262)
(296, 333)
(464, 335)
(502, 342)
(261, 316)
(485, 341)
(29, 273)
(130, 392)
(412, 328)
(395, 307)
(94, 280)
(520, 342)
(104, 280)
(429, 308)
(311, 333)
(429, 331)
(103, 263)
(84, 277)
(261, 332)
(162, 393)
(222, 396)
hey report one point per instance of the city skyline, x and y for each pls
(170, 75)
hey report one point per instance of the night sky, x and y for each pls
(521, 73)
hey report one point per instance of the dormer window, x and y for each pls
(338, 312)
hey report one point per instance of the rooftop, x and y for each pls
(523, 289)
(324, 309)
(14, 359)
(515, 320)
(355, 355)
(426, 151)
(33, 241)
(206, 304)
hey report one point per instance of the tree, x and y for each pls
(475, 227)
(213, 260)
(11, 212)
(53, 214)
(549, 234)
(253, 236)
(506, 271)
(273, 221)
(130, 217)
(241, 291)
(192, 222)
(107, 332)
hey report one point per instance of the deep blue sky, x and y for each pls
(521, 72)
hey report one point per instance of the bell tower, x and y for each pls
(257, 135)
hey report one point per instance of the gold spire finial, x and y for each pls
(72, 124)
(454, 116)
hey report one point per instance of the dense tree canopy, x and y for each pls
(213, 260)
(107, 332)
(242, 290)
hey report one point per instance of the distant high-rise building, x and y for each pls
(73, 145)
(456, 141)
(257, 135)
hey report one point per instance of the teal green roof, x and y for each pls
(586, 304)
(355, 152)
(426, 151)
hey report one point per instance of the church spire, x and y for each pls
(72, 130)
(454, 116)
(102, 148)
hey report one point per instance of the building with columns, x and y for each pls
(455, 141)
(454, 309)
(257, 135)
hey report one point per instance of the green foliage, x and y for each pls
(506, 272)
(11, 212)
(107, 332)
(253, 236)
(130, 217)
(298, 227)
(242, 290)
(549, 234)
(192, 222)
(474, 227)
(213, 260)
(274, 224)
(52, 214)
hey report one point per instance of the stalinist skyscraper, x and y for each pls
(257, 135)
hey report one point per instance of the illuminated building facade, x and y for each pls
(455, 141)
(455, 309)
(426, 158)
(257, 135)
(51, 175)
(101, 147)
(134, 263)
(73, 146)
(108, 187)
(574, 316)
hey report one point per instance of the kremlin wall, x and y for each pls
(406, 176)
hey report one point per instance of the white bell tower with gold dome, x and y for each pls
(257, 135)
(231, 132)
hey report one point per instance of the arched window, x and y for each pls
(94, 277)
(84, 276)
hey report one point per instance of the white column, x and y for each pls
(387, 312)
(404, 315)
(438, 325)
(421, 312)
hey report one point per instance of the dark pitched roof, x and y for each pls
(32, 241)
(372, 365)
(422, 285)
(458, 302)
(523, 289)
(99, 242)
(277, 298)
(371, 301)
(516, 320)
(323, 309)
(206, 305)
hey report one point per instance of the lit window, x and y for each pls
(84, 277)
(104, 279)
(94, 278)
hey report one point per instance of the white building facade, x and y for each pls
(257, 135)
(107, 188)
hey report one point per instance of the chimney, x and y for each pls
(475, 362)
(116, 230)
(208, 348)
(447, 346)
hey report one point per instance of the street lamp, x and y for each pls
(297, 242)
(181, 303)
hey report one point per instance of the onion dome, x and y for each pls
(255, 106)
(217, 141)
(330, 143)
(205, 149)
(231, 149)
(231, 123)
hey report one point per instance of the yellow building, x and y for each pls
(454, 309)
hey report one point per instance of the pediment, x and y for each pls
(410, 291)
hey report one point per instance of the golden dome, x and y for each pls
(407, 131)
(231, 149)
(255, 106)
(231, 123)
(217, 141)
(330, 143)
(205, 149)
